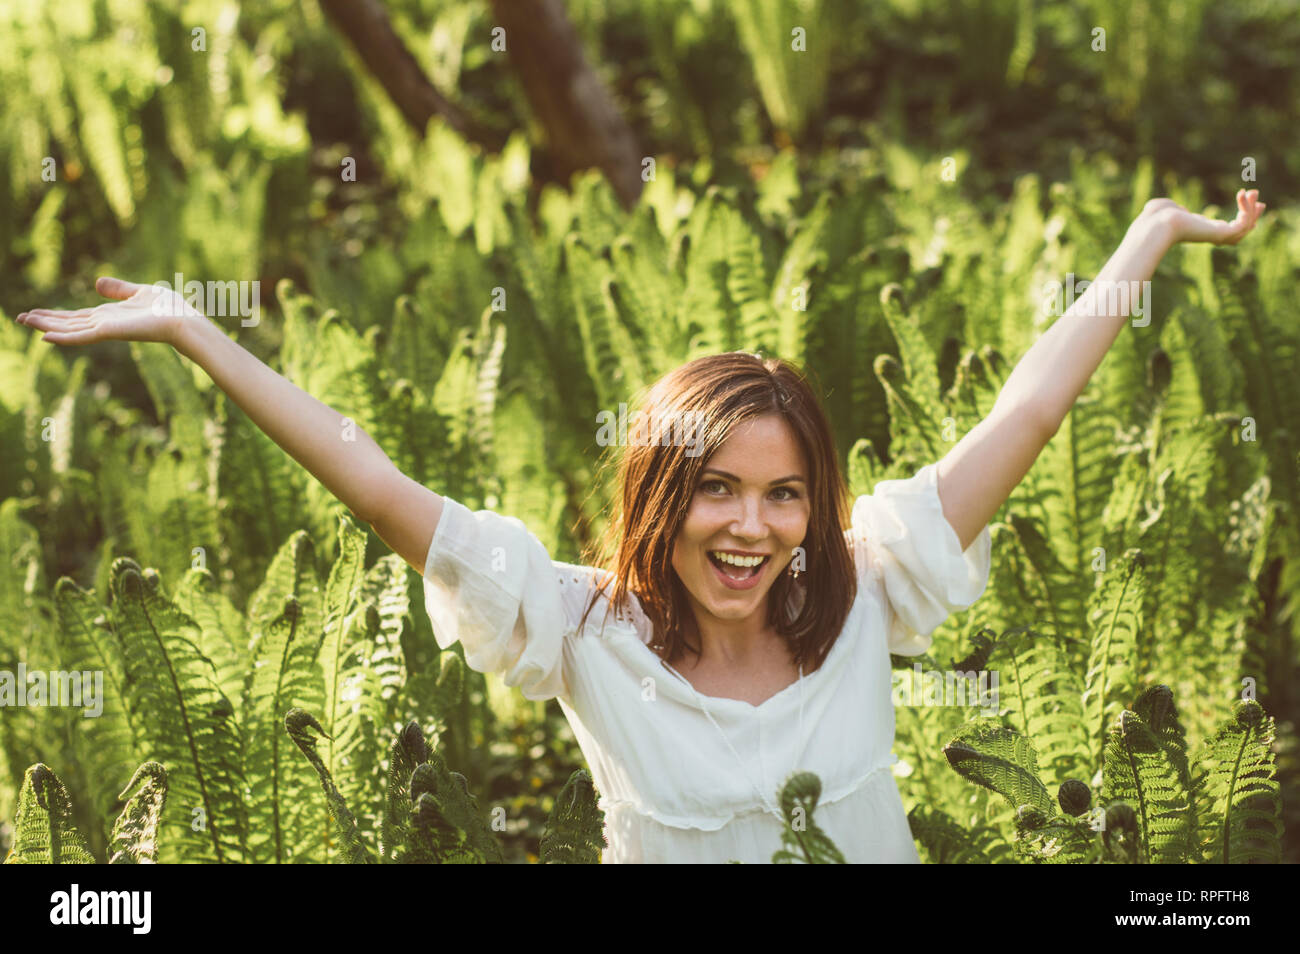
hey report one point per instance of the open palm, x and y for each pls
(139, 313)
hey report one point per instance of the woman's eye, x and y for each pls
(793, 494)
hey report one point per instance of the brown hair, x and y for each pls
(658, 478)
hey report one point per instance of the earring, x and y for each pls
(793, 572)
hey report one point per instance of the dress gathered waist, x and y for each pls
(717, 822)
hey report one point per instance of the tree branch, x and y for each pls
(366, 25)
(583, 126)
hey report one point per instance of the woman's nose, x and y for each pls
(748, 523)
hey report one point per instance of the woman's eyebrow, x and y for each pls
(779, 480)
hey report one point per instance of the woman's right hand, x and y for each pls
(139, 313)
(1186, 226)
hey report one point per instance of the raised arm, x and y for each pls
(979, 473)
(403, 513)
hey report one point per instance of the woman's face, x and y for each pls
(751, 498)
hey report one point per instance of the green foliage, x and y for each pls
(1001, 760)
(802, 840)
(431, 817)
(574, 833)
(45, 832)
(944, 841)
(216, 704)
(1240, 791)
(1139, 771)
(1150, 796)
(135, 834)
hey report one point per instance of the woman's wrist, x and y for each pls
(189, 333)
(1160, 220)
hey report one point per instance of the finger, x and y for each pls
(116, 288)
(88, 336)
(56, 322)
(1245, 205)
(51, 313)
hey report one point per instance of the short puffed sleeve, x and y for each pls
(490, 584)
(902, 538)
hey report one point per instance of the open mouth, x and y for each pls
(738, 573)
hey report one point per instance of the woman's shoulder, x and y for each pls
(583, 586)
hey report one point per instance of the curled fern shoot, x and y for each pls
(804, 842)
(135, 833)
(298, 723)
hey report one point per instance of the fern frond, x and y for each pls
(185, 722)
(1236, 772)
(1139, 770)
(107, 745)
(409, 750)
(1054, 839)
(1002, 760)
(135, 834)
(284, 827)
(43, 830)
(614, 358)
(947, 843)
(705, 298)
(354, 710)
(802, 268)
(298, 723)
(1115, 613)
(1040, 695)
(222, 631)
(447, 816)
(802, 840)
(574, 833)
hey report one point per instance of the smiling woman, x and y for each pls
(745, 566)
(763, 484)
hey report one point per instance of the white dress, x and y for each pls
(675, 784)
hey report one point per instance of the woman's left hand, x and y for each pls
(1187, 226)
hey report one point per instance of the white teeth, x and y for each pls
(737, 560)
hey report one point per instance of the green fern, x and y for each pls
(574, 830)
(1041, 697)
(298, 722)
(135, 835)
(1002, 760)
(1236, 772)
(802, 840)
(947, 842)
(44, 833)
(1142, 771)
(184, 720)
(1115, 613)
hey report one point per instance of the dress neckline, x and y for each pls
(837, 650)
(726, 699)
